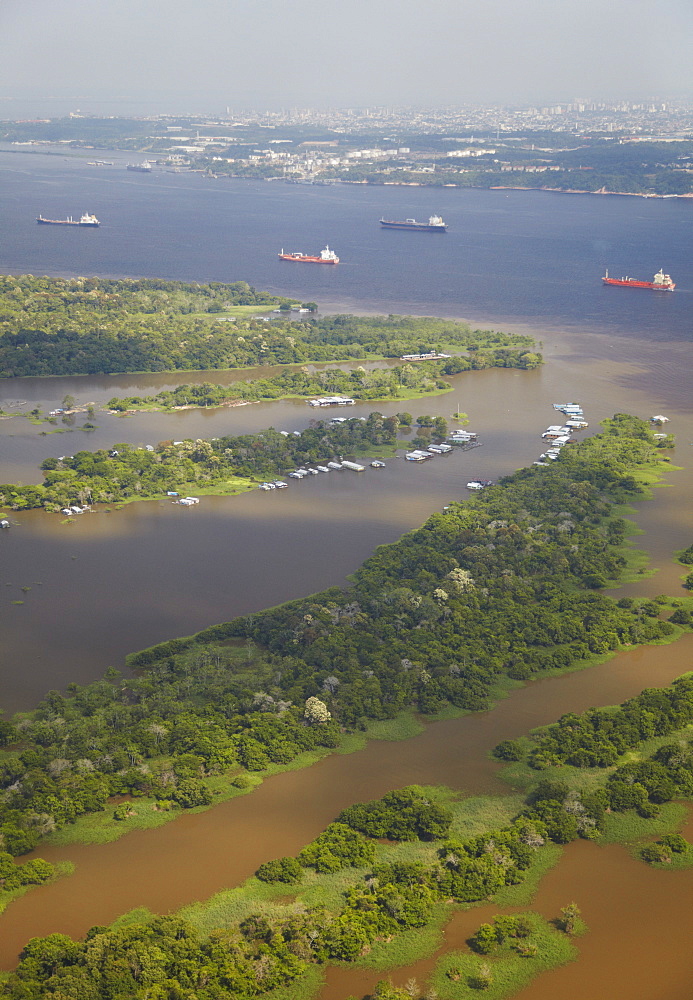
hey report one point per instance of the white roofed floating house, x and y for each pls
(332, 401)
(417, 455)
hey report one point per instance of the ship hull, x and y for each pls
(633, 283)
(305, 260)
(68, 222)
(414, 227)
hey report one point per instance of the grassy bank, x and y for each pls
(456, 975)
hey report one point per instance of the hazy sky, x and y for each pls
(206, 54)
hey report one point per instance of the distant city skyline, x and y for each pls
(173, 56)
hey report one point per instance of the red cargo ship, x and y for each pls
(660, 281)
(327, 256)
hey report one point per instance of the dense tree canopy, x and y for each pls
(71, 326)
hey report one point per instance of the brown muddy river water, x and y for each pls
(107, 584)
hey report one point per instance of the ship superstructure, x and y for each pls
(661, 282)
(326, 256)
(434, 225)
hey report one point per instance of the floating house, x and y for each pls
(332, 401)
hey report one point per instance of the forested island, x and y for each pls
(228, 464)
(407, 381)
(87, 326)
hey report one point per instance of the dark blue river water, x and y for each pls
(527, 257)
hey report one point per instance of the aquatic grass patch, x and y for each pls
(231, 906)
(456, 973)
(409, 946)
(524, 892)
(303, 987)
(627, 828)
(475, 815)
(403, 726)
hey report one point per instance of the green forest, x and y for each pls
(75, 326)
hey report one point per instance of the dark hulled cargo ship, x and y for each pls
(434, 225)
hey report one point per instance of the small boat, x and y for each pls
(377, 464)
(322, 468)
(267, 486)
(280, 484)
(4, 523)
(297, 475)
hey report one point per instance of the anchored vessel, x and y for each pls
(327, 256)
(86, 220)
(660, 281)
(141, 168)
(434, 225)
